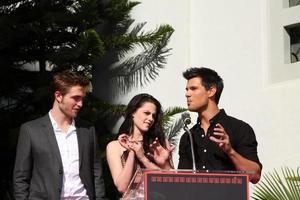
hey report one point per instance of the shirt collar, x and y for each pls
(55, 125)
(221, 114)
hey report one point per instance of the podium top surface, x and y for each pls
(198, 171)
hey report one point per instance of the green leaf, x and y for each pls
(275, 186)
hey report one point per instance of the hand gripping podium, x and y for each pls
(188, 185)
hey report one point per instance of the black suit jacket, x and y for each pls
(38, 172)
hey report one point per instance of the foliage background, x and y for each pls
(96, 38)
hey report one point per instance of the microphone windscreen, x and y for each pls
(186, 118)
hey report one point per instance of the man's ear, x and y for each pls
(212, 91)
(58, 96)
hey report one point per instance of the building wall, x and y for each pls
(234, 38)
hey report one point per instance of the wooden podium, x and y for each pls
(188, 185)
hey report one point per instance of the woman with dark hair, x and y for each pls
(141, 142)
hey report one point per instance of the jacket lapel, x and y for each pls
(80, 139)
(51, 138)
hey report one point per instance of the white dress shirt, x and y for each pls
(73, 188)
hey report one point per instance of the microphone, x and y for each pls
(186, 118)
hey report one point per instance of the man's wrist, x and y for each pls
(230, 152)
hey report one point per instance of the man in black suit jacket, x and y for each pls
(57, 155)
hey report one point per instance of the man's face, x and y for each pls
(196, 94)
(70, 103)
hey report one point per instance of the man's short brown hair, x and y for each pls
(64, 80)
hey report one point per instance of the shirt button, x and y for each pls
(60, 171)
(203, 167)
(205, 150)
(202, 136)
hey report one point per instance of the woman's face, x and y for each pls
(144, 117)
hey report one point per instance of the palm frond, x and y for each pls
(173, 130)
(169, 112)
(171, 124)
(279, 187)
(137, 37)
(126, 43)
(169, 115)
(139, 70)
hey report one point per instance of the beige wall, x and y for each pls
(234, 38)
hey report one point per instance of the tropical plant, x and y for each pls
(90, 36)
(276, 186)
(172, 125)
(95, 37)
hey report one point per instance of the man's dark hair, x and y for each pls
(64, 80)
(209, 79)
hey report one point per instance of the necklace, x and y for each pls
(136, 141)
